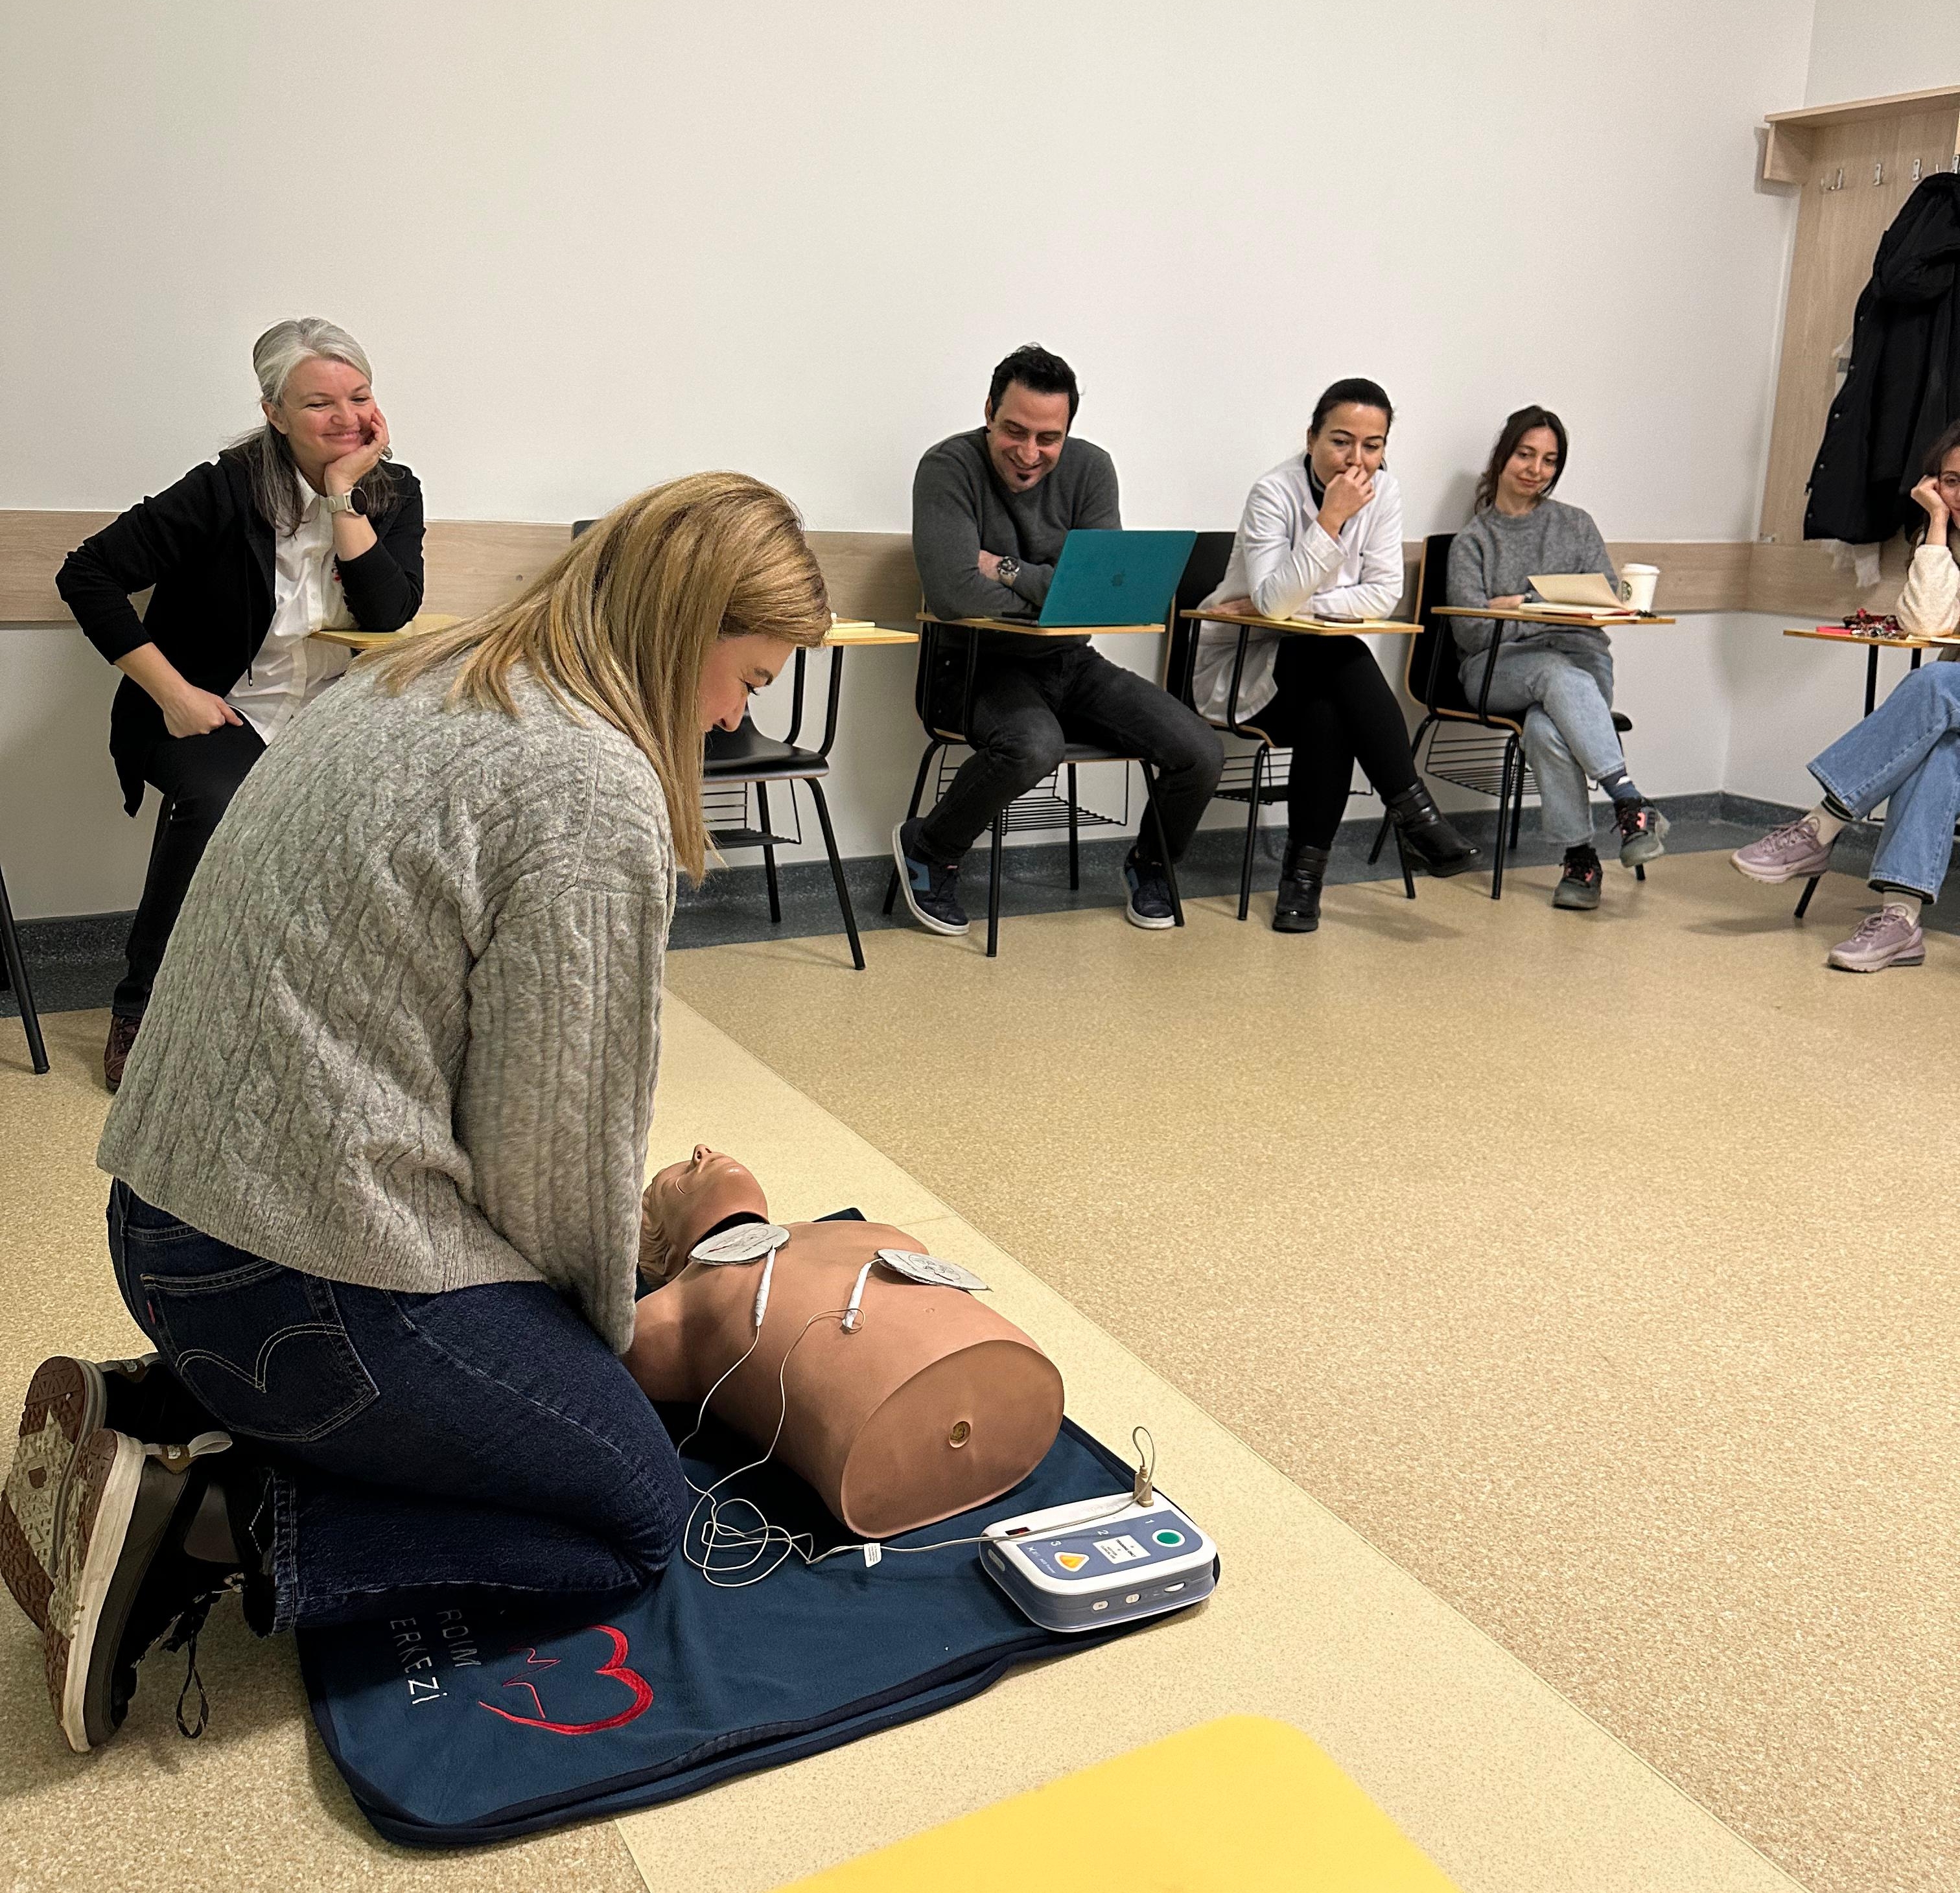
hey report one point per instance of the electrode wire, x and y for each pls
(719, 1536)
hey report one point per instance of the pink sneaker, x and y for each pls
(1890, 938)
(1785, 853)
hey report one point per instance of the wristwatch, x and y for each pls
(338, 502)
(1009, 569)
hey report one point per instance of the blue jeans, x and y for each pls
(485, 1440)
(1569, 740)
(1906, 753)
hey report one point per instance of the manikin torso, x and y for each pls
(933, 1405)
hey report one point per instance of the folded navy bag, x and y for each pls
(458, 1725)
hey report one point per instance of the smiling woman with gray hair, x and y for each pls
(302, 526)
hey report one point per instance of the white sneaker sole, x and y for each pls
(1911, 957)
(912, 907)
(101, 1501)
(1776, 876)
(1136, 919)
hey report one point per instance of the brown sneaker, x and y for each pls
(1890, 938)
(116, 1054)
(67, 1400)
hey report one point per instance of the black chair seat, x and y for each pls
(748, 755)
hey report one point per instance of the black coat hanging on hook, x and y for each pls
(1903, 386)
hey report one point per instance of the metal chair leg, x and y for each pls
(1000, 837)
(1164, 847)
(1503, 827)
(1402, 855)
(1381, 838)
(1074, 849)
(1518, 809)
(769, 855)
(1803, 901)
(16, 978)
(912, 808)
(836, 869)
(1252, 832)
(1640, 870)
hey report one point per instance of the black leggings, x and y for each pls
(1334, 708)
(198, 776)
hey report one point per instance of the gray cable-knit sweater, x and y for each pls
(406, 1032)
(1495, 555)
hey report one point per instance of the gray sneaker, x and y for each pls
(1890, 938)
(1784, 853)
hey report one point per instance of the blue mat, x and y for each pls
(454, 1726)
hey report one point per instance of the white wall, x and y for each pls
(592, 249)
(1866, 49)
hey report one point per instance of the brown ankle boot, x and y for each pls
(116, 1054)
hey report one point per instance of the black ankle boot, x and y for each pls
(1427, 835)
(1304, 874)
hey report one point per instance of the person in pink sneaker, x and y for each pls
(1905, 754)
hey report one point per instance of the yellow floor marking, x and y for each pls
(1242, 1803)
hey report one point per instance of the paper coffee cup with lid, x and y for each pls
(1636, 585)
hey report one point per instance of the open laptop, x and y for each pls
(1115, 578)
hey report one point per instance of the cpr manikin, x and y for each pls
(927, 1405)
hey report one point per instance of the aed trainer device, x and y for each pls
(1082, 1566)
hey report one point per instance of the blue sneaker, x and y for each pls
(929, 888)
(1149, 902)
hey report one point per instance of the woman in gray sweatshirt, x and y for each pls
(378, 1148)
(1559, 679)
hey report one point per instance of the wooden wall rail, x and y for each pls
(475, 564)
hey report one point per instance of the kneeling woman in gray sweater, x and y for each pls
(380, 1147)
(1561, 680)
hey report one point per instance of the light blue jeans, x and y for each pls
(1569, 740)
(1906, 753)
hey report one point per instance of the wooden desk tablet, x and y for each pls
(1027, 628)
(855, 634)
(1873, 643)
(381, 640)
(1572, 620)
(1307, 627)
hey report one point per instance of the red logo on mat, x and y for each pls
(614, 1666)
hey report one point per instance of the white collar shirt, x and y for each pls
(289, 670)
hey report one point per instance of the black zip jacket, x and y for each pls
(1904, 385)
(208, 552)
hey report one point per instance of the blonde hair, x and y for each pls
(622, 622)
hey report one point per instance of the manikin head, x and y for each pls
(686, 1200)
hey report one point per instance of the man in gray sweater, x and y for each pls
(990, 510)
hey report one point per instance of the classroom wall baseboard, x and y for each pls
(74, 961)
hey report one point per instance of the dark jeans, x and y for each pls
(198, 776)
(483, 1440)
(1334, 708)
(1024, 709)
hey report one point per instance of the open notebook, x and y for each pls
(1583, 594)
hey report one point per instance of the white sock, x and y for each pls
(1909, 905)
(1829, 826)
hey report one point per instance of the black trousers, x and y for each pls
(1334, 709)
(198, 776)
(1023, 712)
